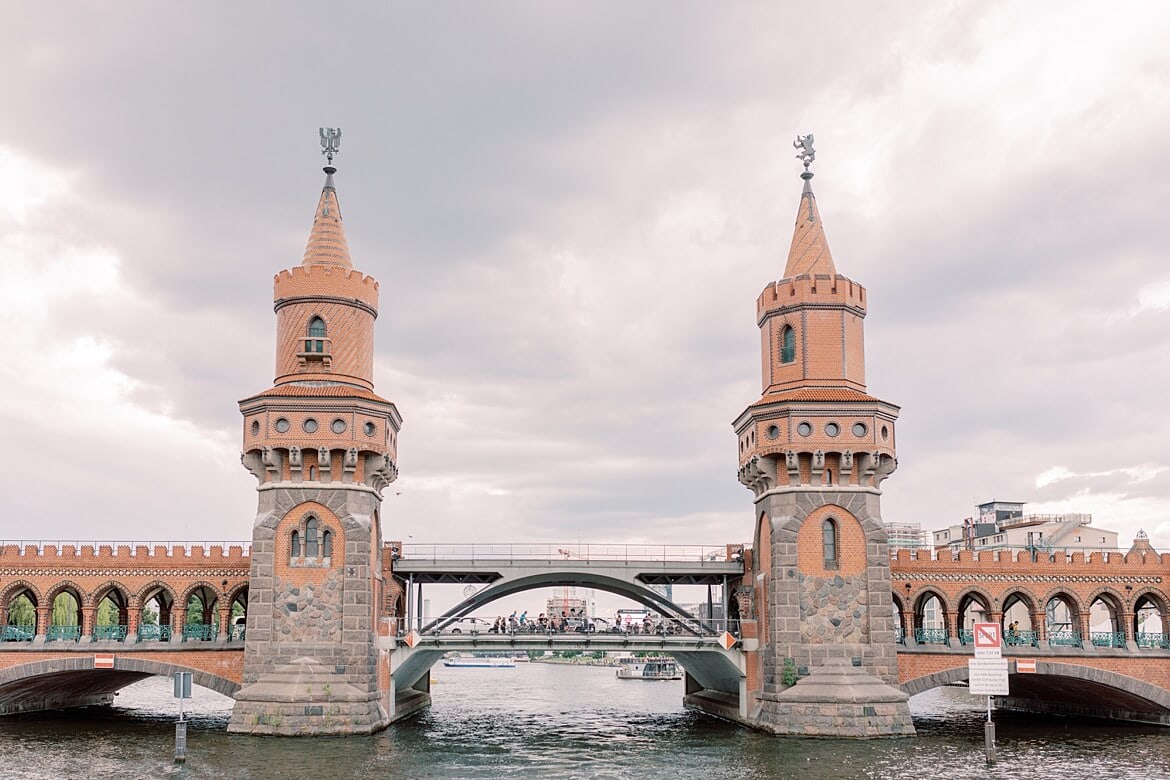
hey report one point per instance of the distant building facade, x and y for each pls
(906, 536)
(1000, 525)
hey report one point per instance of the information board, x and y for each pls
(988, 676)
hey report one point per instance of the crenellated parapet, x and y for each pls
(325, 282)
(988, 562)
(810, 291)
(121, 555)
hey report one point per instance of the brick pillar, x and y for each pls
(132, 618)
(225, 613)
(951, 622)
(1039, 625)
(44, 616)
(87, 616)
(1127, 622)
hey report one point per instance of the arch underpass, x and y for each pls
(710, 667)
(1058, 687)
(73, 681)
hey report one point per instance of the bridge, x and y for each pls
(169, 607)
(316, 626)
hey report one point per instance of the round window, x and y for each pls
(859, 429)
(370, 429)
(281, 425)
(310, 425)
(804, 429)
(832, 429)
(773, 431)
(255, 427)
(337, 426)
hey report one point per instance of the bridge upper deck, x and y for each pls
(649, 564)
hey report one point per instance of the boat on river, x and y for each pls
(650, 668)
(479, 662)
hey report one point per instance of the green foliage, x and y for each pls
(149, 617)
(569, 653)
(108, 613)
(789, 675)
(21, 612)
(598, 654)
(64, 611)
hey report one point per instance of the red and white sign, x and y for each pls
(412, 638)
(103, 661)
(987, 640)
(1026, 665)
(727, 640)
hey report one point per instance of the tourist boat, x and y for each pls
(471, 661)
(652, 668)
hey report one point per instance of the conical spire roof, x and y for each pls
(327, 245)
(809, 253)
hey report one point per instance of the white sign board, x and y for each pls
(987, 640)
(988, 676)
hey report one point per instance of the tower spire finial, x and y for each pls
(806, 154)
(331, 143)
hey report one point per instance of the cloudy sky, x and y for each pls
(571, 209)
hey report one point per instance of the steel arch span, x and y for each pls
(556, 579)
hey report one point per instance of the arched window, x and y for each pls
(316, 342)
(296, 545)
(787, 345)
(311, 538)
(829, 537)
(326, 543)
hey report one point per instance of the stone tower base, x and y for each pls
(306, 697)
(839, 700)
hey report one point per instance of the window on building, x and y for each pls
(326, 544)
(316, 340)
(829, 539)
(296, 545)
(311, 538)
(787, 344)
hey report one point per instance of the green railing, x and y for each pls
(63, 634)
(899, 636)
(109, 633)
(1107, 638)
(17, 634)
(966, 636)
(236, 634)
(1017, 638)
(153, 633)
(1153, 640)
(1065, 638)
(200, 631)
(930, 636)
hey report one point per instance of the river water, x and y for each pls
(547, 721)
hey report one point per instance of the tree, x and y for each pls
(21, 612)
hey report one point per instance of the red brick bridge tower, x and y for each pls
(322, 446)
(814, 450)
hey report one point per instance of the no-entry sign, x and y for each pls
(103, 661)
(987, 640)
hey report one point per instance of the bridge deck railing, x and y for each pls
(657, 627)
(583, 553)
